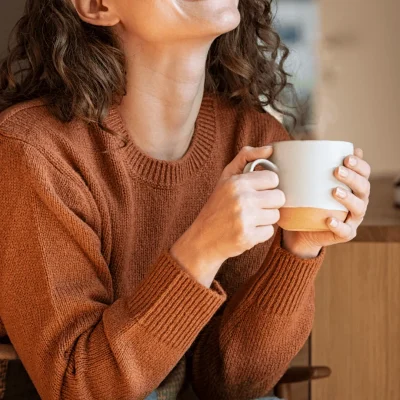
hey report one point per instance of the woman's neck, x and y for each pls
(165, 86)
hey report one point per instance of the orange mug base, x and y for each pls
(308, 218)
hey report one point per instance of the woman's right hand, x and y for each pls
(238, 215)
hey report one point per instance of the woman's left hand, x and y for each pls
(355, 174)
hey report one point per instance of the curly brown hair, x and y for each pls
(79, 68)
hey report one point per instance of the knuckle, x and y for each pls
(350, 235)
(235, 178)
(269, 231)
(243, 236)
(240, 217)
(360, 211)
(246, 149)
(360, 214)
(367, 188)
(236, 185)
(277, 198)
(276, 215)
(268, 176)
(238, 209)
(345, 239)
(281, 198)
(364, 210)
(273, 178)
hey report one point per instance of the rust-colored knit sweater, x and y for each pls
(90, 296)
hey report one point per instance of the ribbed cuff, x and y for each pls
(285, 279)
(172, 304)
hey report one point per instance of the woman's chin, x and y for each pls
(214, 16)
(228, 19)
(225, 20)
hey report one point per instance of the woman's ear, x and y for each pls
(96, 12)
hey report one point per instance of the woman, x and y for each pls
(137, 261)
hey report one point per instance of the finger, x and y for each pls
(343, 231)
(358, 165)
(270, 199)
(258, 180)
(359, 153)
(357, 183)
(354, 204)
(246, 154)
(266, 217)
(263, 233)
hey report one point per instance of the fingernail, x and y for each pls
(340, 193)
(352, 161)
(343, 172)
(267, 147)
(333, 223)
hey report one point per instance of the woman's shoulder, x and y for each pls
(31, 135)
(26, 117)
(32, 122)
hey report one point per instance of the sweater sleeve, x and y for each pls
(57, 303)
(245, 349)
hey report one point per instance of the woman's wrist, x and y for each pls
(297, 247)
(195, 259)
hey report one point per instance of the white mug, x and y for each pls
(305, 169)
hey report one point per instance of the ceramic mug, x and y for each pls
(305, 169)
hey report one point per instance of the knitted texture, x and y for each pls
(90, 296)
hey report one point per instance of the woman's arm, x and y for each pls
(57, 303)
(243, 352)
(248, 345)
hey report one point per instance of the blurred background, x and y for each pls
(345, 63)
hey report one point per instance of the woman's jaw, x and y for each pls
(177, 20)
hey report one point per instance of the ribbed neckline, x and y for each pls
(168, 173)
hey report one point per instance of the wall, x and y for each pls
(358, 94)
(297, 23)
(10, 11)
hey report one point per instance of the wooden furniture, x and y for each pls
(357, 322)
(7, 352)
(284, 388)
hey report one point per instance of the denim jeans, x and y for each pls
(153, 396)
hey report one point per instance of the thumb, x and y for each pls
(246, 154)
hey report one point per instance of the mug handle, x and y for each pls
(268, 165)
